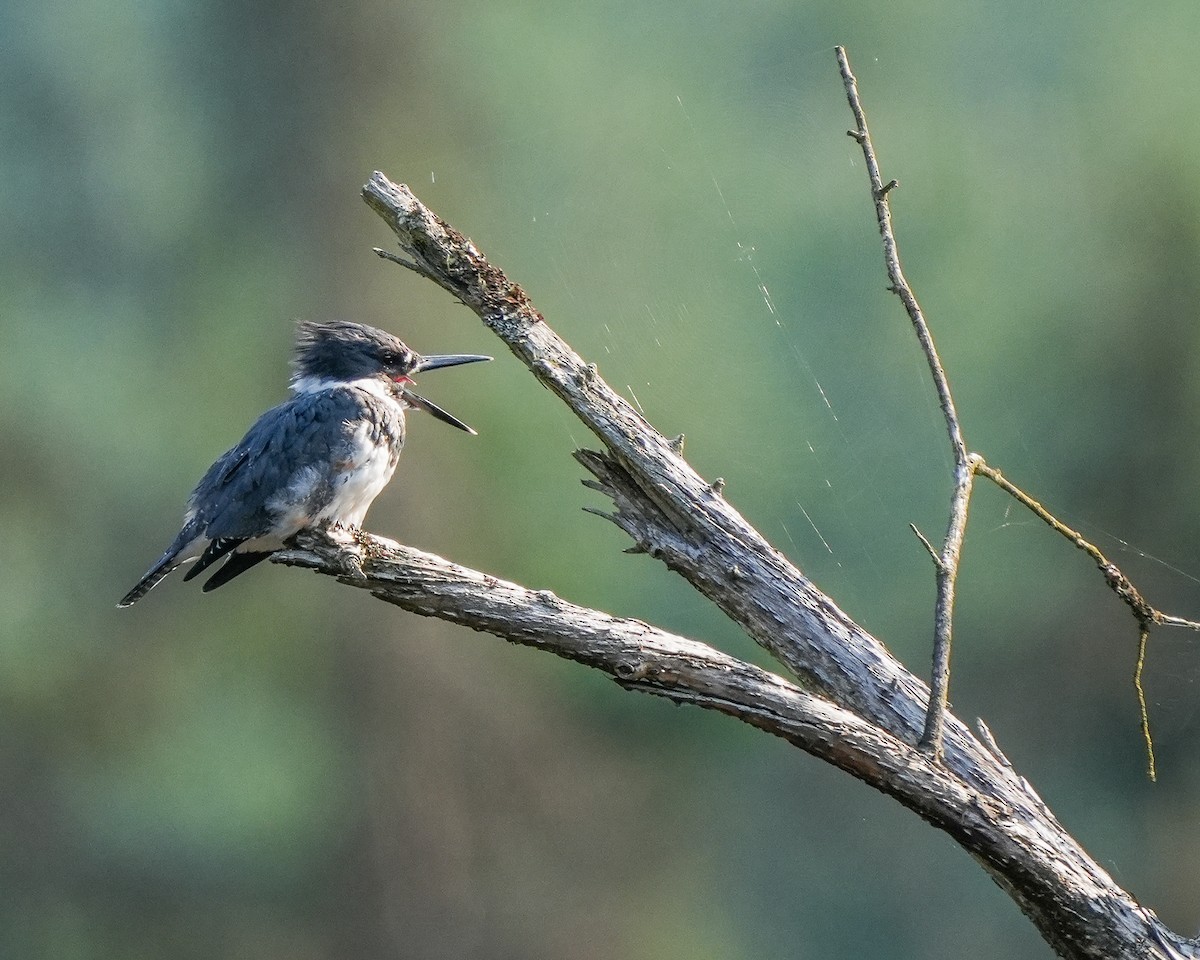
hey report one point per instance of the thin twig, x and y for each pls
(1120, 584)
(396, 258)
(946, 566)
(1143, 611)
(967, 465)
(1143, 637)
(933, 555)
(1169, 620)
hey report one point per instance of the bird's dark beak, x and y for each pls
(446, 360)
(435, 363)
(420, 403)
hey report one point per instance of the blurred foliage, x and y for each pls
(287, 770)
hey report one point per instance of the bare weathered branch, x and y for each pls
(1006, 826)
(636, 655)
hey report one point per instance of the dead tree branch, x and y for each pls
(636, 655)
(1006, 826)
(856, 706)
(649, 660)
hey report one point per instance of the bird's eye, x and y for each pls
(391, 358)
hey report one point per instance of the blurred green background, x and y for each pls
(289, 769)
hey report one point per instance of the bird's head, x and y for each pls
(340, 351)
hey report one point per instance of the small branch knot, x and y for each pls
(1124, 588)
(632, 670)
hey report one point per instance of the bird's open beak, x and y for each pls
(434, 363)
(420, 403)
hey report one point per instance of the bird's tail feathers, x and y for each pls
(215, 550)
(168, 562)
(237, 564)
(151, 580)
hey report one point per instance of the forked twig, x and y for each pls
(966, 466)
(1143, 611)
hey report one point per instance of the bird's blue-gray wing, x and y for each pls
(286, 463)
(300, 440)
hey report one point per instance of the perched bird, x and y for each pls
(316, 460)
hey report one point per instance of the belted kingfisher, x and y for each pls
(316, 460)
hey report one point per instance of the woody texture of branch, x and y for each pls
(842, 696)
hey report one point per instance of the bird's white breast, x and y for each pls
(342, 491)
(361, 480)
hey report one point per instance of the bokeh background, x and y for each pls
(289, 769)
